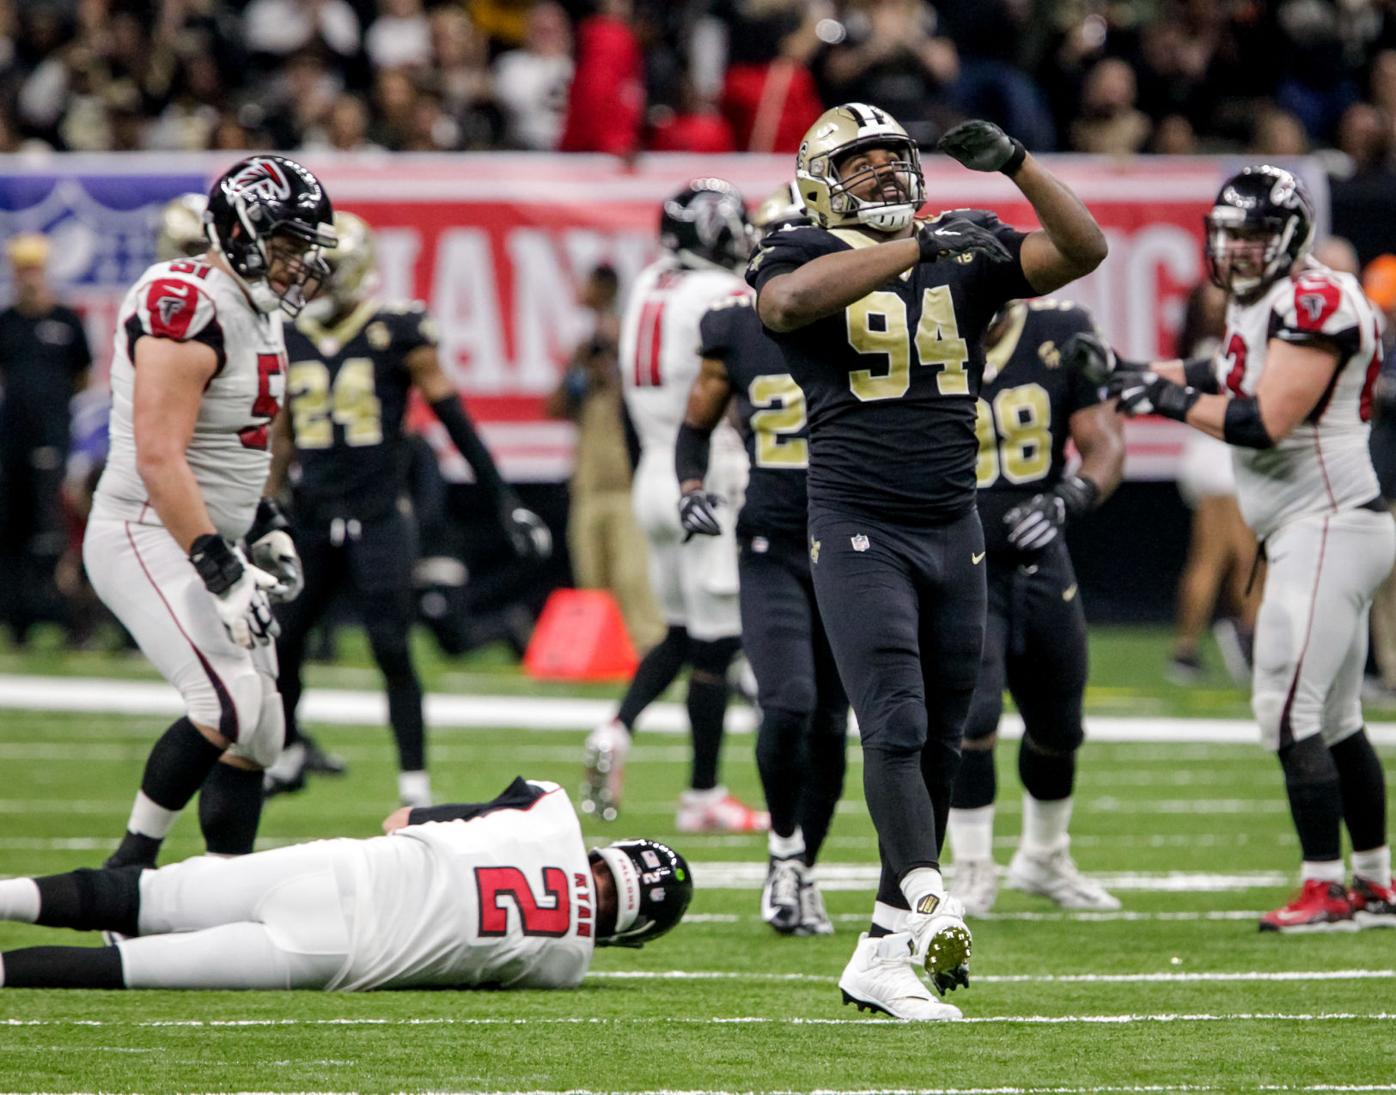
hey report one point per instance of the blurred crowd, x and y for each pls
(1269, 77)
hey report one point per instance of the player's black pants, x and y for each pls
(1035, 646)
(32, 534)
(801, 748)
(904, 611)
(372, 561)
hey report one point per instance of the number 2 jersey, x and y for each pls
(1323, 466)
(191, 301)
(500, 894)
(771, 413)
(890, 381)
(1025, 408)
(347, 388)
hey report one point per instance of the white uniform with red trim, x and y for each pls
(1305, 499)
(504, 898)
(695, 582)
(135, 566)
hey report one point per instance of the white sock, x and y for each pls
(889, 917)
(1322, 870)
(1045, 824)
(19, 900)
(786, 847)
(150, 819)
(971, 833)
(1373, 865)
(414, 788)
(921, 882)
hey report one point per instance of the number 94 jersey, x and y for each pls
(346, 392)
(1323, 465)
(890, 381)
(1025, 409)
(191, 301)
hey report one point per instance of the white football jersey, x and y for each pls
(191, 301)
(1323, 465)
(504, 898)
(659, 345)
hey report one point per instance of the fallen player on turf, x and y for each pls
(499, 894)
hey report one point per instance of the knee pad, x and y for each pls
(1061, 739)
(713, 656)
(263, 736)
(983, 744)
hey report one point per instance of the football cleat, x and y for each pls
(706, 812)
(881, 976)
(942, 942)
(1319, 907)
(603, 764)
(1056, 877)
(320, 762)
(976, 884)
(287, 773)
(780, 896)
(1373, 906)
(814, 919)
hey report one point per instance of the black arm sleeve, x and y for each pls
(1243, 426)
(691, 453)
(519, 795)
(451, 414)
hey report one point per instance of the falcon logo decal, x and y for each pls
(260, 178)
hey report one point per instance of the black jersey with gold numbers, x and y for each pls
(1025, 408)
(771, 418)
(890, 381)
(346, 393)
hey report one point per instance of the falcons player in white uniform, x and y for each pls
(496, 894)
(1290, 392)
(197, 375)
(706, 238)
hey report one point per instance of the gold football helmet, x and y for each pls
(836, 134)
(352, 261)
(181, 233)
(781, 206)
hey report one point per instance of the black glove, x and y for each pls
(1090, 355)
(528, 535)
(957, 236)
(1145, 392)
(698, 513)
(983, 146)
(1035, 523)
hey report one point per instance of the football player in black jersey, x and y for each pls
(353, 363)
(1035, 640)
(801, 745)
(881, 318)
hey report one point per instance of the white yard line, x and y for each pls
(369, 708)
(1218, 976)
(751, 875)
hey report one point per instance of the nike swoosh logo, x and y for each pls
(1069, 593)
(976, 557)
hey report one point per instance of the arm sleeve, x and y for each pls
(1318, 313)
(519, 795)
(450, 412)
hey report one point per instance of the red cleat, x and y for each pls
(1373, 906)
(1320, 907)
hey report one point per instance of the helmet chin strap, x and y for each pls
(887, 218)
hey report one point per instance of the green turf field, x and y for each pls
(1178, 992)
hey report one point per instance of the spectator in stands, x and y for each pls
(395, 97)
(1174, 136)
(1278, 133)
(1109, 121)
(696, 125)
(890, 55)
(44, 361)
(460, 64)
(279, 28)
(302, 96)
(607, 548)
(606, 104)
(345, 128)
(769, 95)
(531, 83)
(400, 37)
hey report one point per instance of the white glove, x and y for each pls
(245, 609)
(275, 553)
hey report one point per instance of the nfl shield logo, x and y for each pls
(859, 542)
